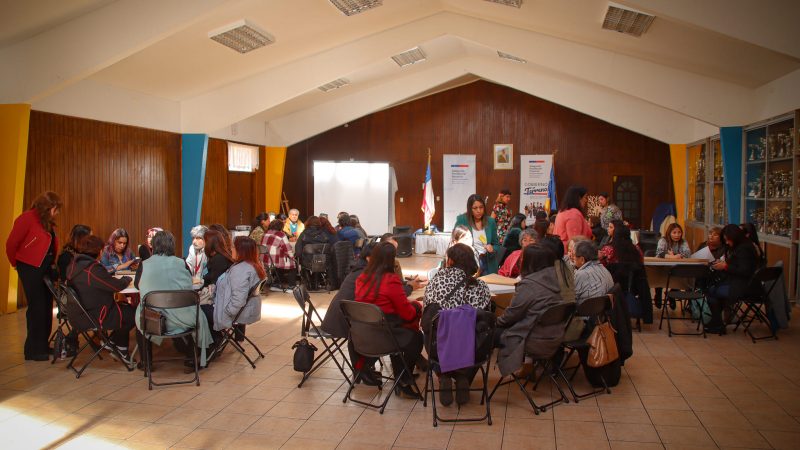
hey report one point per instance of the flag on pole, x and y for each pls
(428, 206)
(551, 189)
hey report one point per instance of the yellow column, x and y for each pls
(14, 122)
(275, 159)
(677, 154)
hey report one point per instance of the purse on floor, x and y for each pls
(303, 359)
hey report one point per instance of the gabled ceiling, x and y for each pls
(701, 65)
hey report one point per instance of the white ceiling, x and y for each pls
(150, 63)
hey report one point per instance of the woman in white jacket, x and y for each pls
(196, 260)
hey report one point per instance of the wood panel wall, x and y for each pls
(469, 120)
(224, 191)
(108, 175)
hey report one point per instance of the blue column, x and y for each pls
(194, 152)
(731, 145)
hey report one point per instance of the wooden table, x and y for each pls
(502, 289)
(658, 270)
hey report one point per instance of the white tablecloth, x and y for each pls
(431, 243)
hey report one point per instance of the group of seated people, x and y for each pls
(224, 273)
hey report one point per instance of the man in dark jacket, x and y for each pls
(96, 288)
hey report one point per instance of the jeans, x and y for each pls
(718, 297)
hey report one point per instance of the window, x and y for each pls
(242, 158)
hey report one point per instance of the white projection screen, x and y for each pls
(359, 188)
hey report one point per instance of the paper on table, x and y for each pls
(498, 279)
(703, 253)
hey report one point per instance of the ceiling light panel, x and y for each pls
(241, 36)
(626, 20)
(510, 57)
(413, 56)
(335, 84)
(353, 7)
(514, 3)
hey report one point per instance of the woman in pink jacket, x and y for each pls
(571, 221)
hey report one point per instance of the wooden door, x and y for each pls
(628, 196)
(241, 208)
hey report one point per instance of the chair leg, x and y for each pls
(526, 394)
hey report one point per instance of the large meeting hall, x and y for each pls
(400, 224)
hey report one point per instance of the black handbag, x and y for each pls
(303, 355)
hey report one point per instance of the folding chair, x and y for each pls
(690, 273)
(593, 309)
(63, 324)
(273, 279)
(371, 336)
(556, 316)
(164, 300)
(83, 323)
(314, 267)
(485, 323)
(765, 281)
(233, 334)
(310, 328)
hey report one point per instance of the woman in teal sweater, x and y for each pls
(484, 233)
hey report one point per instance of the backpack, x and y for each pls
(694, 305)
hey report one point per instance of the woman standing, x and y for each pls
(484, 233)
(571, 220)
(116, 254)
(31, 249)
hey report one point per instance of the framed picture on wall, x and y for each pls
(503, 156)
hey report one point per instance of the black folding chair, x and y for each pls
(485, 323)
(311, 328)
(157, 301)
(690, 273)
(764, 280)
(314, 267)
(372, 337)
(555, 316)
(592, 310)
(273, 277)
(233, 335)
(63, 324)
(83, 323)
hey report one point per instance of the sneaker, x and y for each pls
(446, 390)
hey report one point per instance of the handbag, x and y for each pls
(602, 345)
(154, 322)
(303, 359)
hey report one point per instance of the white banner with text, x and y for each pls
(535, 171)
(458, 184)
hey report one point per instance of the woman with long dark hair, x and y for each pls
(379, 285)
(226, 236)
(260, 224)
(117, 254)
(571, 219)
(621, 249)
(515, 227)
(233, 290)
(751, 233)
(740, 264)
(31, 249)
(71, 248)
(484, 233)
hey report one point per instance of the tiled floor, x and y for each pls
(680, 392)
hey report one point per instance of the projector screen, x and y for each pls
(359, 188)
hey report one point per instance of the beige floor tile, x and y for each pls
(186, 417)
(589, 430)
(374, 434)
(431, 438)
(276, 426)
(580, 443)
(664, 402)
(521, 442)
(624, 415)
(230, 422)
(162, 435)
(267, 393)
(116, 428)
(250, 406)
(631, 432)
(696, 436)
(323, 430)
(307, 396)
(530, 427)
(468, 441)
(205, 438)
(581, 413)
(782, 439)
(620, 401)
(337, 414)
(737, 437)
(772, 421)
(144, 413)
(710, 404)
(172, 397)
(293, 410)
(674, 417)
(624, 445)
(308, 444)
(210, 402)
(723, 419)
(248, 441)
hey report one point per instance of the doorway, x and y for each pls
(628, 197)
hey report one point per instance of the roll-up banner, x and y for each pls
(458, 184)
(535, 171)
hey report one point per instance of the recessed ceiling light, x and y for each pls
(510, 57)
(514, 3)
(413, 56)
(353, 7)
(241, 36)
(335, 84)
(625, 20)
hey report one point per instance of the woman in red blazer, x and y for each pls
(379, 285)
(31, 249)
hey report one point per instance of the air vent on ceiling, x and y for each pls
(514, 3)
(626, 20)
(241, 36)
(353, 7)
(412, 56)
(335, 84)
(510, 57)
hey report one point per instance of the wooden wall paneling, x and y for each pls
(215, 189)
(469, 120)
(108, 175)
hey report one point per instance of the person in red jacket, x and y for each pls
(379, 285)
(31, 249)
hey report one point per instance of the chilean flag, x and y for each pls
(428, 206)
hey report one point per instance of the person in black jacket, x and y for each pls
(737, 270)
(70, 249)
(96, 288)
(314, 233)
(219, 260)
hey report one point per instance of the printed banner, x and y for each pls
(534, 184)
(458, 184)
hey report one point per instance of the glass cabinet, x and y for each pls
(697, 182)
(719, 214)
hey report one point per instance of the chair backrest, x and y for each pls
(485, 324)
(76, 313)
(556, 314)
(170, 299)
(303, 299)
(768, 277)
(258, 287)
(312, 249)
(593, 307)
(370, 333)
(687, 272)
(51, 286)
